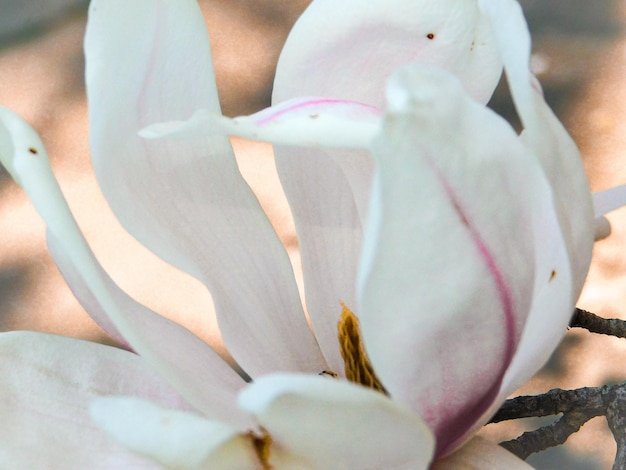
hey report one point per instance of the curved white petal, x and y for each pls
(481, 454)
(453, 250)
(48, 382)
(143, 330)
(328, 423)
(553, 301)
(173, 438)
(186, 199)
(545, 136)
(187, 362)
(307, 122)
(347, 51)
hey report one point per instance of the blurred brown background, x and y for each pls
(580, 57)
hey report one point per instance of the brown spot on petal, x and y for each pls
(552, 275)
(33, 150)
(430, 36)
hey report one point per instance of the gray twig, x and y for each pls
(576, 406)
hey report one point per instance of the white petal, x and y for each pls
(347, 51)
(48, 382)
(545, 135)
(173, 438)
(308, 122)
(331, 423)
(552, 306)
(142, 329)
(183, 359)
(453, 250)
(150, 62)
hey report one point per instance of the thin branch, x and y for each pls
(616, 417)
(577, 406)
(548, 436)
(595, 324)
(554, 402)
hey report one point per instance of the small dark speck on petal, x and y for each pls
(33, 150)
(430, 36)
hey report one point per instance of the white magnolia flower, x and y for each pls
(476, 247)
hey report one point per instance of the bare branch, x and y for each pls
(595, 324)
(548, 436)
(595, 399)
(616, 417)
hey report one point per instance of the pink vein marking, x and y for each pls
(504, 292)
(449, 435)
(316, 102)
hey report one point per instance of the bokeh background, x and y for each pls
(579, 56)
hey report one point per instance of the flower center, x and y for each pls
(359, 370)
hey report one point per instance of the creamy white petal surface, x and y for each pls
(452, 251)
(48, 382)
(176, 439)
(347, 52)
(474, 253)
(186, 200)
(210, 388)
(545, 136)
(330, 423)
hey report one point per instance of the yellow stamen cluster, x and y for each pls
(358, 367)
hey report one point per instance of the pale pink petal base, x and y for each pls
(48, 383)
(193, 369)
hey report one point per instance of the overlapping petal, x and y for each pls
(306, 122)
(348, 51)
(186, 200)
(545, 136)
(48, 382)
(319, 420)
(441, 279)
(474, 253)
(168, 347)
(188, 363)
(176, 439)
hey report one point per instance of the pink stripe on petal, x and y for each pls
(450, 431)
(318, 102)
